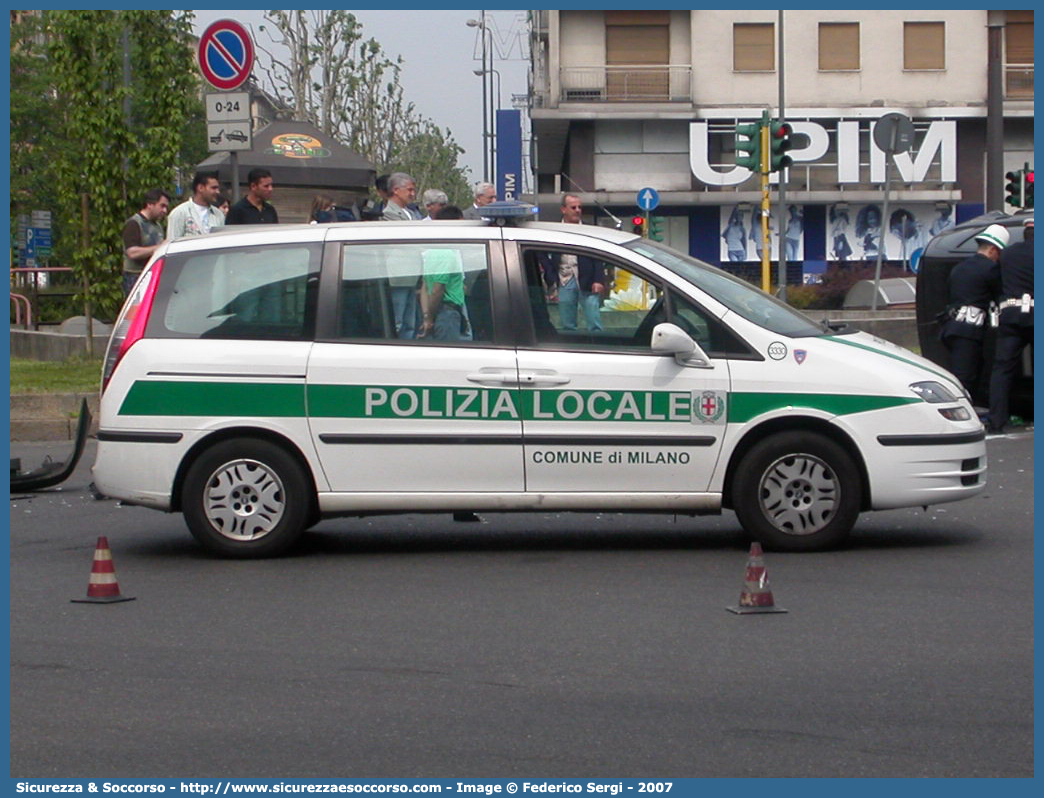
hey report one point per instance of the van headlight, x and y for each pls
(933, 392)
(936, 393)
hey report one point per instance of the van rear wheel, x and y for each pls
(246, 498)
(797, 491)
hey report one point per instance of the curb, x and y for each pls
(49, 417)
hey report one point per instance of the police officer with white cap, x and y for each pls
(972, 287)
(1015, 325)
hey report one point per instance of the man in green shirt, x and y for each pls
(442, 294)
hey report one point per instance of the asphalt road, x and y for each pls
(526, 645)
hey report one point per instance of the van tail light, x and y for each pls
(130, 327)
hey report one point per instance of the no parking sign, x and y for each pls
(226, 54)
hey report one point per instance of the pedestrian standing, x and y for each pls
(485, 193)
(434, 200)
(402, 191)
(322, 210)
(197, 215)
(254, 207)
(579, 280)
(1015, 323)
(142, 235)
(972, 287)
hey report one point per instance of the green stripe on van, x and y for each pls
(745, 406)
(269, 399)
(236, 399)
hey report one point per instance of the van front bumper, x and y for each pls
(908, 470)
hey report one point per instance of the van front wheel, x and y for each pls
(797, 491)
(246, 498)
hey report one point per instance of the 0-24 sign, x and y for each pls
(232, 106)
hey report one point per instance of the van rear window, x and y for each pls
(263, 292)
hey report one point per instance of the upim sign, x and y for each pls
(939, 139)
(510, 186)
(509, 154)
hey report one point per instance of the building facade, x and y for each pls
(623, 100)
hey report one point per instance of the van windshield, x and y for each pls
(737, 295)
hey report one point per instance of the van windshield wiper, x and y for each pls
(835, 326)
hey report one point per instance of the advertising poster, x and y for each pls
(854, 231)
(741, 233)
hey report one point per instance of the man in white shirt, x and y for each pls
(198, 215)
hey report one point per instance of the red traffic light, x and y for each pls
(1029, 177)
(638, 221)
(782, 130)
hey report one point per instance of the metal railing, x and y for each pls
(637, 83)
(19, 300)
(31, 281)
(1018, 81)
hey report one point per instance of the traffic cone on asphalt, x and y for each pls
(102, 587)
(756, 597)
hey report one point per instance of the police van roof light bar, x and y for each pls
(504, 212)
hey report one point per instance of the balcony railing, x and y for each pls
(626, 84)
(1018, 81)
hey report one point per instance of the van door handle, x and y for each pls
(542, 377)
(494, 376)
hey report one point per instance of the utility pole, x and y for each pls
(766, 243)
(781, 224)
(995, 21)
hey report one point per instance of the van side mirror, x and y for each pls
(670, 339)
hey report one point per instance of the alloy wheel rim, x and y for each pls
(244, 500)
(799, 494)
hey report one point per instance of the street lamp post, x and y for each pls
(480, 23)
(490, 140)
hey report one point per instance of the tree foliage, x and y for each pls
(71, 137)
(349, 88)
(35, 143)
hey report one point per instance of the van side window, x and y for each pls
(580, 301)
(434, 293)
(262, 292)
(713, 336)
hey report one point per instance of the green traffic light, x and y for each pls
(1016, 189)
(751, 146)
(779, 143)
(656, 228)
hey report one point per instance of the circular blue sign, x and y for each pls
(648, 199)
(915, 259)
(226, 54)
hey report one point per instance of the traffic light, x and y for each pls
(638, 226)
(751, 146)
(656, 228)
(779, 143)
(1028, 188)
(1016, 188)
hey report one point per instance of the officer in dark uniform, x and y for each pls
(1015, 327)
(972, 287)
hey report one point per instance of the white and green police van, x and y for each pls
(262, 378)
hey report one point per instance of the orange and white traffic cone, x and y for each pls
(756, 597)
(102, 587)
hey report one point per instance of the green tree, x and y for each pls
(429, 155)
(34, 144)
(349, 88)
(99, 159)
